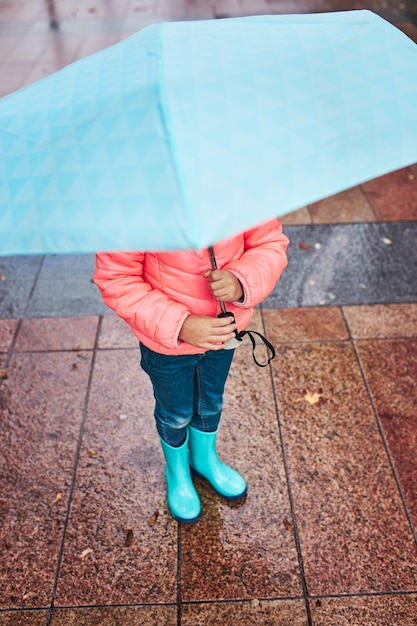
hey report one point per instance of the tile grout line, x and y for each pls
(381, 431)
(35, 283)
(74, 472)
(290, 496)
(179, 576)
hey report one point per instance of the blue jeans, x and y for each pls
(188, 390)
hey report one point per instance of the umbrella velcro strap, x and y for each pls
(268, 344)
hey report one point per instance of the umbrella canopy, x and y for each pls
(188, 132)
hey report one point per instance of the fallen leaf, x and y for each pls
(85, 553)
(313, 397)
(57, 498)
(153, 518)
(27, 595)
(304, 246)
(3, 373)
(93, 454)
(287, 524)
(129, 538)
(74, 367)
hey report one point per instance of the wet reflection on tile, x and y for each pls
(253, 613)
(119, 514)
(391, 371)
(249, 548)
(116, 616)
(365, 611)
(353, 528)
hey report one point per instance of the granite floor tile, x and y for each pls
(115, 333)
(65, 287)
(20, 274)
(249, 549)
(382, 320)
(23, 618)
(41, 405)
(57, 333)
(391, 371)
(392, 610)
(253, 613)
(7, 331)
(304, 324)
(121, 542)
(116, 616)
(353, 529)
(393, 196)
(347, 206)
(348, 264)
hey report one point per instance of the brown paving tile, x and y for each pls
(345, 207)
(304, 324)
(393, 196)
(395, 610)
(30, 47)
(96, 42)
(7, 331)
(115, 333)
(119, 509)
(41, 406)
(249, 548)
(382, 320)
(23, 618)
(298, 217)
(391, 371)
(353, 530)
(116, 616)
(57, 333)
(254, 613)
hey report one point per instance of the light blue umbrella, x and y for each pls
(186, 133)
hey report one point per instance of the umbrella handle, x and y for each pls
(214, 267)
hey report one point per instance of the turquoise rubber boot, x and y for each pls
(206, 464)
(183, 501)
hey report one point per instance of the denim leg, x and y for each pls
(210, 378)
(173, 386)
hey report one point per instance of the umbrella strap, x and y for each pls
(243, 333)
(268, 344)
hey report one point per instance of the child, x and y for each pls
(171, 301)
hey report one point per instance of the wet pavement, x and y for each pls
(326, 437)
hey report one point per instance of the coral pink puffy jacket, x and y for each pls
(155, 292)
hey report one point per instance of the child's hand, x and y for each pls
(224, 285)
(209, 333)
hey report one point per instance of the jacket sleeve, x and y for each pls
(119, 276)
(262, 263)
